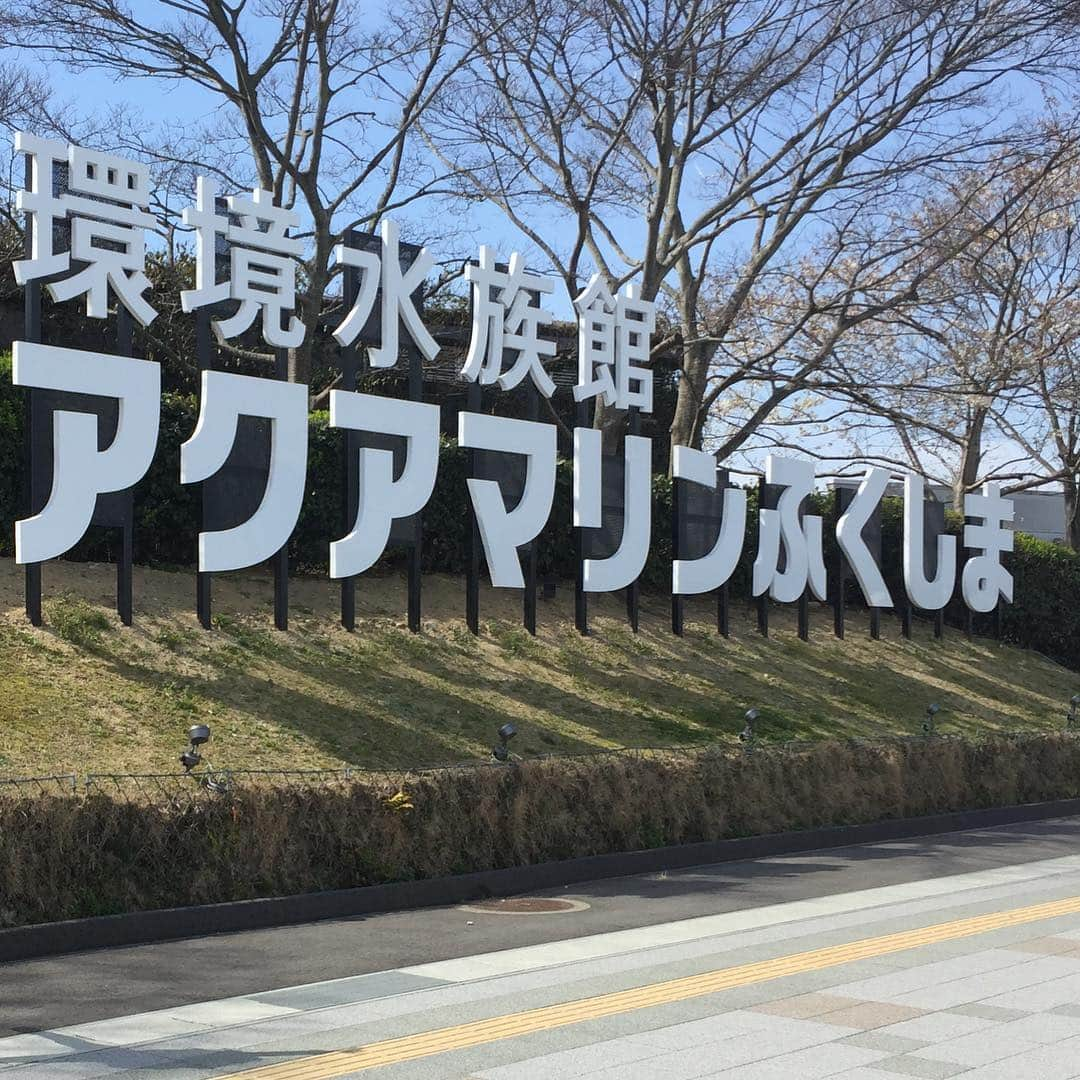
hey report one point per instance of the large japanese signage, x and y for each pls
(87, 213)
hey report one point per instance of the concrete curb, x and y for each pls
(106, 931)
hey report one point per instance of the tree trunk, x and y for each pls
(1072, 511)
(309, 310)
(687, 425)
(611, 423)
(300, 364)
(970, 460)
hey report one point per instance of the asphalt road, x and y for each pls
(58, 991)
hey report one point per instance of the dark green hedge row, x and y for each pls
(1045, 615)
(128, 849)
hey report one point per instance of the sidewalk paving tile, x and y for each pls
(938, 1026)
(1047, 946)
(982, 1047)
(912, 1065)
(989, 1012)
(812, 1063)
(871, 1014)
(881, 1040)
(803, 1006)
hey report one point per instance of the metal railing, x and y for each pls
(166, 786)
(62, 784)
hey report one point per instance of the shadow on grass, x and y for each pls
(386, 698)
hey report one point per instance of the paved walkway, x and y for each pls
(974, 973)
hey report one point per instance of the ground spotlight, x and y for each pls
(747, 733)
(501, 752)
(1072, 721)
(198, 734)
(931, 712)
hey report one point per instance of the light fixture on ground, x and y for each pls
(931, 713)
(198, 734)
(747, 733)
(1072, 721)
(501, 752)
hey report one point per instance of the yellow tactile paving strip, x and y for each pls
(478, 1032)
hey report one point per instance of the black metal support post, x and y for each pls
(581, 598)
(124, 568)
(204, 357)
(474, 403)
(349, 362)
(33, 498)
(933, 527)
(969, 615)
(416, 547)
(633, 590)
(280, 560)
(415, 555)
(528, 612)
(763, 599)
(837, 575)
(678, 604)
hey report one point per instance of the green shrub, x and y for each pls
(76, 621)
(1045, 612)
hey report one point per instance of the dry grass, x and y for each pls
(83, 694)
(122, 850)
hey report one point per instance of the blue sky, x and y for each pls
(93, 92)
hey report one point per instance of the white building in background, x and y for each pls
(1038, 513)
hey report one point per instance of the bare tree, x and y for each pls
(698, 141)
(940, 363)
(314, 100)
(23, 95)
(834, 321)
(26, 101)
(1041, 412)
(970, 377)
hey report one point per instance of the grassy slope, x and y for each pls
(84, 695)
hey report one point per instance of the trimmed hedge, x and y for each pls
(1045, 615)
(68, 856)
(1045, 612)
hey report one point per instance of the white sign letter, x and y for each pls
(397, 297)
(805, 560)
(81, 472)
(984, 578)
(105, 199)
(625, 565)
(505, 319)
(849, 536)
(382, 498)
(923, 593)
(225, 398)
(502, 531)
(712, 570)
